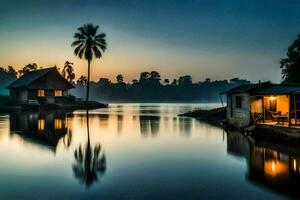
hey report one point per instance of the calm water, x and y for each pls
(137, 151)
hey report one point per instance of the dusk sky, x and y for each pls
(215, 39)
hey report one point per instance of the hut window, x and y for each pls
(238, 101)
(57, 124)
(58, 93)
(41, 124)
(41, 93)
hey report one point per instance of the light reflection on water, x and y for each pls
(133, 151)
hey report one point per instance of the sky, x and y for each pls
(217, 39)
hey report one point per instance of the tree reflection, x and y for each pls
(89, 161)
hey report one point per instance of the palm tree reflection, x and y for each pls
(89, 161)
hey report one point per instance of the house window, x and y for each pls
(238, 101)
(41, 124)
(41, 93)
(57, 124)
(58, 93)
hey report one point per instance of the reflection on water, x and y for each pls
(269, 165)
(138, 151)
(41, 128)
(89, 161)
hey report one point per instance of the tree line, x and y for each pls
(150, 87)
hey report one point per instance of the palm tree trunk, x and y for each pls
(88, 83)
(88, 126)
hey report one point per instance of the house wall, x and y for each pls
(18, 95)
(13, 94)
(23, 96)
(238, 116)
(256, 104)
(283, 104)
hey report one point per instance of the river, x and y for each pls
(136, 151)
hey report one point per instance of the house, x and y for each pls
(263, 103)
(44, 86)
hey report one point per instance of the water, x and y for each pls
(135, 151)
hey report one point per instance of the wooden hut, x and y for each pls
(263, 103)
(44, 86)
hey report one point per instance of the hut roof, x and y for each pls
(248, 87)
(278, 90)
(265, 88)
(30, 77)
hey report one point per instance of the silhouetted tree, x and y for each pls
(185, 80)
(166, 81)
(68, 71)
(28, 68)
(88, 45)
(120, 78)
(154, 77)
(11, 70)
(103, 81)
(6, 77)
(82, 80)
(174, 82)
(290, 65)
(144, 77)
(238, 81)
(207, 80)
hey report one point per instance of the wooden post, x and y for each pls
(289, 117)
(263, 108)
(295, 109)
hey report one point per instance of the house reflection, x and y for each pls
(41, 128)
(271, 165)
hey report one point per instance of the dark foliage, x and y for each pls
(68, 71)
(150, 89)
(290, 65)
(7, 76)
(27, 68)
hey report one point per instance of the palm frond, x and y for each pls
(83, 31)
(79, 36)
(101, 46)
(77, 42)
(97, 52)
(100, 36)
(78, 49)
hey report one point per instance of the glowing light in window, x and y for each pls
(57, 124)
(41, 93)
(41, 124)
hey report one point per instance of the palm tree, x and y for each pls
(68, 71)
(89, 44)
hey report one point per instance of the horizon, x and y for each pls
(224, 41)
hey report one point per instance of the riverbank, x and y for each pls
(214, 116)
(6, 105)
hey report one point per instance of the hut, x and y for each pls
(263, 103)
(44, 86)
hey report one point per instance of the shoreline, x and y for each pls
(71, 107)
(214, 116)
